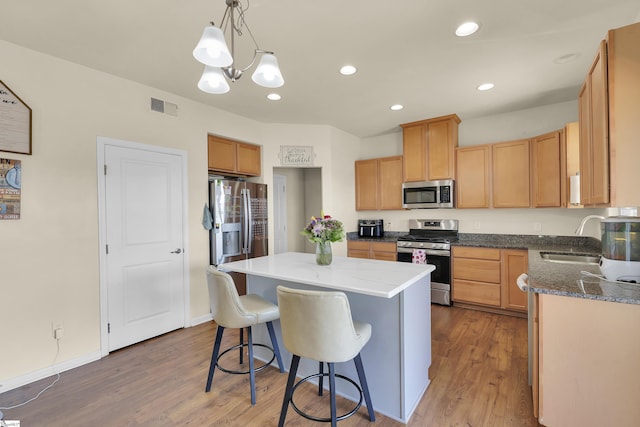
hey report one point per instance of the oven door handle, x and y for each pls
(426, 251)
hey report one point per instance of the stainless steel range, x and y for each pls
(433, 238)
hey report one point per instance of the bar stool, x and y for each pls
(317, 325)
(231, 310)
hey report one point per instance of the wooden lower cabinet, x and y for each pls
(585, 362)
(385, 251)
(485, 278)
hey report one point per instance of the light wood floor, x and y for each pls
(479, 378)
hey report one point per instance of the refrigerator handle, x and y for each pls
(249, 218)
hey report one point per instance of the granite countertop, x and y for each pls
(545, 277)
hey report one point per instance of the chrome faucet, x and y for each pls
(580, 228)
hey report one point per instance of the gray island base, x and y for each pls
(395, 298)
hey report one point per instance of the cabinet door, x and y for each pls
(221, 154)
(414, 153)
(513, 264)
(511, 168)
(547, 172)
(248, 159)
(366, 184)
(386, 251)
(472, 176)
(442, 140)
(390, 182)
(594, 133)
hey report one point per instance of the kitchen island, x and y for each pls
(394, 298)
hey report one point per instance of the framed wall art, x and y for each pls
(15, 122)
(10, 188)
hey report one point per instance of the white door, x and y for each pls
(144, 249)
(280, 213)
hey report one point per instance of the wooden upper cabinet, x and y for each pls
(594, 132)
(248, 160)
(510, 174)
(442, 140)
(366, 184)
(473, 171)
(390, 182)
(428, 148)
(548, 165)
(233, 158)
(414, 152)
(623, 69)
(379, 183)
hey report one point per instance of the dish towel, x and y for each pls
(207, 219)
(419, 256)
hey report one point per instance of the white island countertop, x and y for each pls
(383, 279)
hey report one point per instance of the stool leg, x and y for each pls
(214, 357)
(274, 343)
(252, 373)
(365, 387)
(288, 392)
(241, 350)
(320, 378)
(332, 393)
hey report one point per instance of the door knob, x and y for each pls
(177, 251)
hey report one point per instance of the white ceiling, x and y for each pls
(405, 51)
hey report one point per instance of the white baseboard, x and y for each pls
(202, 319)
(10, 384)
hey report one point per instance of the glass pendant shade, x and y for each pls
(212, 48)
(213, 81)
(268, 73)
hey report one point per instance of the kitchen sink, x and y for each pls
(570, 258)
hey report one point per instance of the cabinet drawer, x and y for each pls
(483, 253)
(383, 247)
(476, 269)
(358, 254)
(476, 292)
(385, 256)
(360, 245)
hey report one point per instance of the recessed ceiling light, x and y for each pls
(347, 70)
(485, 86)
(274, 97)
(467, 29)
(396, 107)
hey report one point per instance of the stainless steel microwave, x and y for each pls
(428, 194)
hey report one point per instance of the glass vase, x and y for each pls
(323, 253)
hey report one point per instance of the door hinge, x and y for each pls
(105, 169)
(108, 328)
(107, 247)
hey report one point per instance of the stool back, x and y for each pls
(318, 325)
(226, 306)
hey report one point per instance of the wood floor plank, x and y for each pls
(478, 373)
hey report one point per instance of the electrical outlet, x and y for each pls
(57, 330)
(476, 225)
(537, 226)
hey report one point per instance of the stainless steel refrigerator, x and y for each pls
(239, 231)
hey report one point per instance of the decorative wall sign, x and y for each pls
(15, 122)
(10, 183)
(299, 156)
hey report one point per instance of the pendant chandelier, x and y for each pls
(219, 61)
